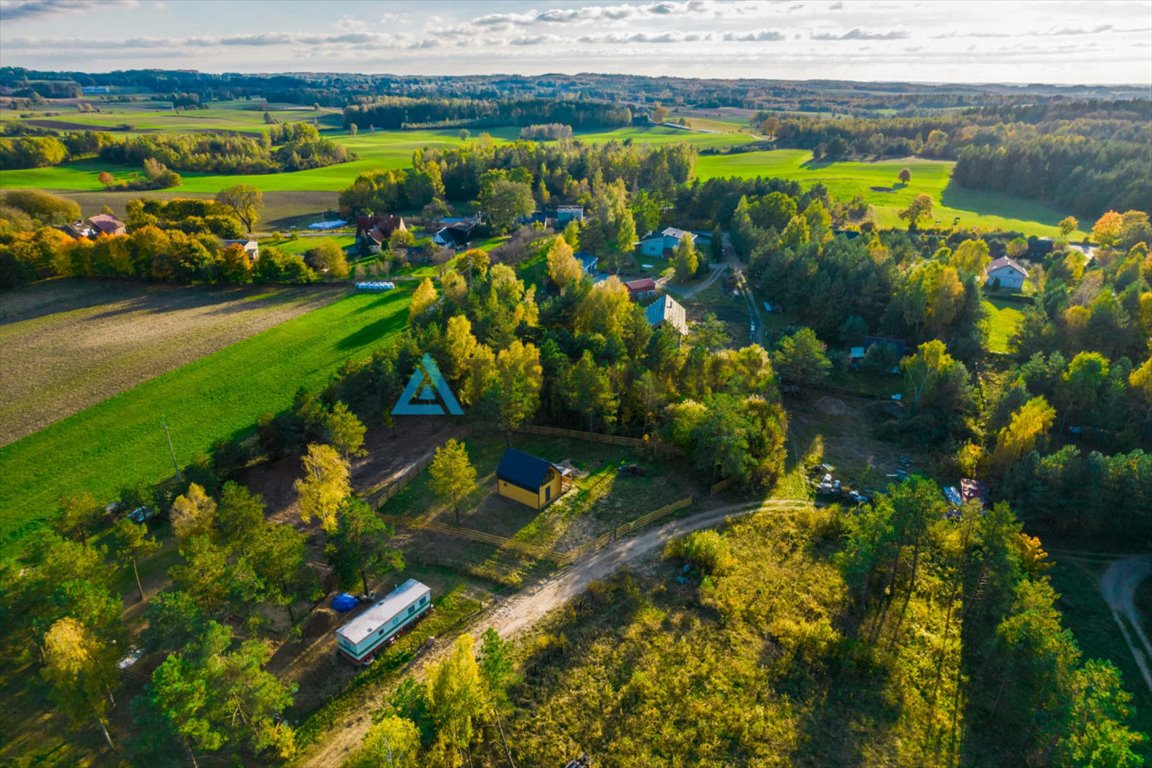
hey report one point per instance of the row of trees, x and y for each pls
(552, 172)
(395, 112)
(300, 148)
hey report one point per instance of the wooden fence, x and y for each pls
(596, 437)
(534, 550)
(377, 499)
(722, 486)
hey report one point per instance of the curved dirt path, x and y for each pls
(1118, 584)
(524, 609)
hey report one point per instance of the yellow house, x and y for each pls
(527, 479)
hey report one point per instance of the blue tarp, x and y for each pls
(344, 602)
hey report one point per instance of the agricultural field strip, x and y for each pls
(85, 350)
(119, 442)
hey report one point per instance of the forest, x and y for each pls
(1085, 156)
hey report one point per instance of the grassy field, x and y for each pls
(151, 116)
(68, 344)
(1003, 317)
(877, 184)
(120, 441)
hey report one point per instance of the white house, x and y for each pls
(1006, 273)
(360, 638)
(251, 247)
(657, 243)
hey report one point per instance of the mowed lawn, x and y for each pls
(877, 184)
(68, 344)
(120, 441)
(1003, 317)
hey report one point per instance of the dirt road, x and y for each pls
(524, 609)
(1118, 585)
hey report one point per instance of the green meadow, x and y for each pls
(120, 441)
(1002, 319)
(874, 182)
(877, 185)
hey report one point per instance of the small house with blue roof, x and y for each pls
(529, 479)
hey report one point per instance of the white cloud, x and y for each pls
(755, 36)
(862, 34)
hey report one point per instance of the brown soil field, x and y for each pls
(69, 344)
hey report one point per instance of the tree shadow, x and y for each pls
(989, 203)
(378, 330)
(846, 710)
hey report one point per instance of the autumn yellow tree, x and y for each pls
(604, 310)
(194, 513)
(324, 486)
(81, 670)
(422, 298)
(971, 257)
(1067, 226)
(456, 698)
(1028, 424)
(453, 476)
(459, 345)
(520, 377)
(563, 268)
(1106, 230)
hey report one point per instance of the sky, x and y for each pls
(976, 41)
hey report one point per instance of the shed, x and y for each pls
(528, 479)
(643, 288)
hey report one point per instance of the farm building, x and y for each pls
(92, 228)
(455, 233)
(251, 247)
(644, 288)
(529, 479)
(373, 231)
(360, 638)
(1006, 273)
(658, 243)
(667, 310)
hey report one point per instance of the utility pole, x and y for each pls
(171, 450)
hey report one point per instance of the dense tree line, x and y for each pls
(566, 171)
(37, 148)
(394, 112)
(1084, 156)
(300, 148)
(1073, 171)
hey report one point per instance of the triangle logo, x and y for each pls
(427, 393)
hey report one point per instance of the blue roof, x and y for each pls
(523, 469)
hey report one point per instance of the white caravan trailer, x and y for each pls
(360, 638)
